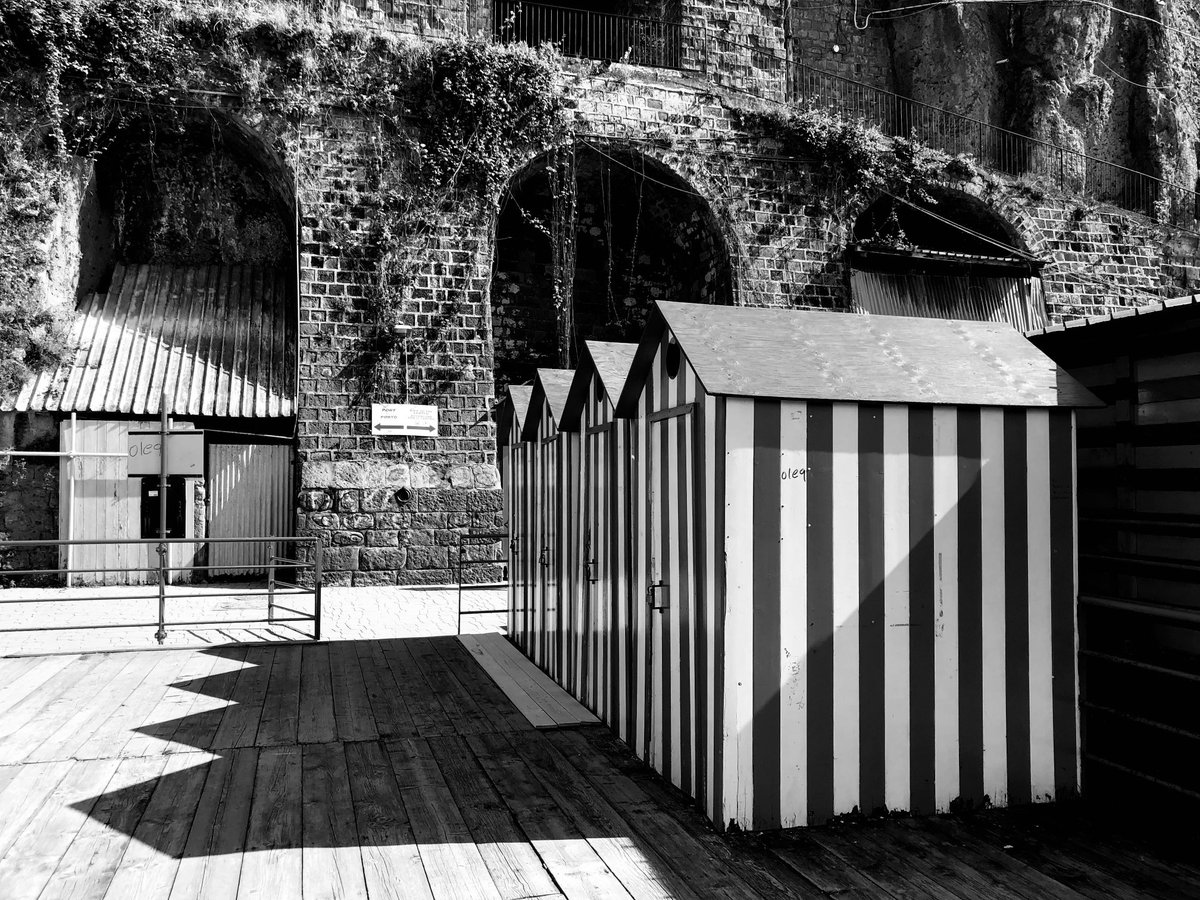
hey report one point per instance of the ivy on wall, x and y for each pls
(74, 74)
(859, 161)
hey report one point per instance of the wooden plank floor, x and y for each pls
(398, 768)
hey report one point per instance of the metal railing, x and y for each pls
(997, 148)
(589, 35)
(170, 566)
(467, 540)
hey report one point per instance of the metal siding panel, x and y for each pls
(946, 578)
(845, 608)
(249, 497)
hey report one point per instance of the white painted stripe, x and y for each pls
(1074, 549)
(712, 556)
(739, 598)
(897, 712)
(945, 622)
(845, 607)
(675, 578)
(793, 614)
(688, 423)
(1041, 681)
(641, 580)
(995, 725)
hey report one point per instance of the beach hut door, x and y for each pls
(658, 594)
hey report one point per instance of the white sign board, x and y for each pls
(185, 453)
(397, 419)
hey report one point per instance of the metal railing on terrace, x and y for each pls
(997, 148)
(141, 583)
(590, 35)
(689, 48)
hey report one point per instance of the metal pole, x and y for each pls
(317, 590)
(164, 428)
(271, 582)
(70, 499)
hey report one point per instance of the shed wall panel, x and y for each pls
(885, 631)
(250, 495)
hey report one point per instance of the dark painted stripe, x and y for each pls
(820, 613)
(1062, 599)
(616, 506)
(970, 609)
(1016, 604)
(872, 745)
(765, 626)
(700, 629)
(922, 584)
(718, 723)
(686, 576)
(662, 620)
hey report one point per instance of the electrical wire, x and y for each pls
(918, 8)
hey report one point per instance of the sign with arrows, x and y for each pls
(400, 419)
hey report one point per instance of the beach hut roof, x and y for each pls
(814, 355)
(514, 409)
(611, 362)
(551, 385)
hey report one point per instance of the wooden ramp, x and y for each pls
(532, 691)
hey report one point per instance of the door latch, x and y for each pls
(660, 590)
(544, 557)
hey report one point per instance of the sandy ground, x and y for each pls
(70, 618)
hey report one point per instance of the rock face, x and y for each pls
(1085, 77)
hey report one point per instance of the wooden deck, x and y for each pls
(397, 768)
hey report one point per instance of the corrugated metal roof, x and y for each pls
(611, 361)
(1016, 301)
(812, 355)
(220, 340)
(553, 385)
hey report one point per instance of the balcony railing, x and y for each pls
(997, 148)
(589, 35)
(651, 42)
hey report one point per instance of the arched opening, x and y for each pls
(586, 240)
(185, 302)
(951, 256)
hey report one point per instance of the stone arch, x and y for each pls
(643, 232)
(887, 220)
(209, 169)
(952, 256)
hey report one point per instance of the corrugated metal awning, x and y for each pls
(1015, 300)
(220, 340)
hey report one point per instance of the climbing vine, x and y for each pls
(447, 117)
(859, 161)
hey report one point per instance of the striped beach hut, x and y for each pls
(857, 536)
(553, 525)
(602, 597)
(513, 456)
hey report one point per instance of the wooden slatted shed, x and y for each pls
(602, 597)
(515, 458)
(858, 537)
(553, 477)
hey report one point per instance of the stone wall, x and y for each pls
(28, 490)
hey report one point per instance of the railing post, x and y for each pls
(161, 634)
(317, 548)
(271, 582)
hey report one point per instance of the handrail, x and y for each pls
(652, 42)
(159, 547)
(999, 148)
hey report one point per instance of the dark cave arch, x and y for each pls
(642, 233)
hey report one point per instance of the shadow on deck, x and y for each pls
(392, 768)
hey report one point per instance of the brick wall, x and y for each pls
(390, 507)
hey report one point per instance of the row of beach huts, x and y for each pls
(807, 563)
